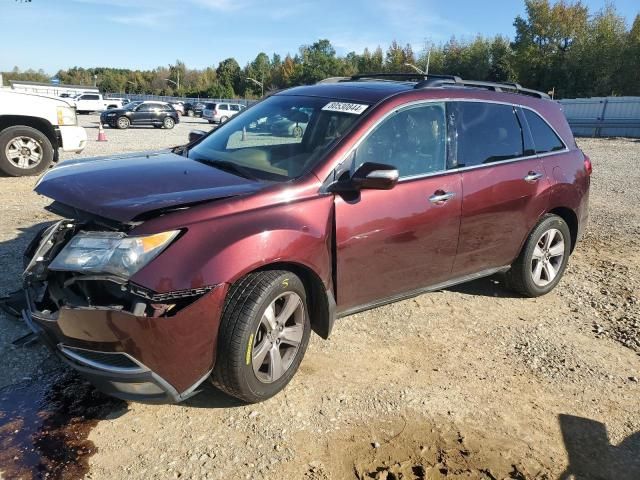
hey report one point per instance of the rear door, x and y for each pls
(504, 185)
(393, 242)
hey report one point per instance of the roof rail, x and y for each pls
(451, 80)
(390, 75)
(427, 81)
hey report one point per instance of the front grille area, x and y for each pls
(107, 361)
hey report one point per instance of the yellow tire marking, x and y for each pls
(249, 346)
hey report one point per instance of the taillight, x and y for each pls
(587, 165)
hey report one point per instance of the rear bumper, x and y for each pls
(73, 138)
(151, 360)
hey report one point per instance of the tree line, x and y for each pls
(558, 46)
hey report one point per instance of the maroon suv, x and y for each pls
(216, 260)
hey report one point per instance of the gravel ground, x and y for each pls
(470, 382)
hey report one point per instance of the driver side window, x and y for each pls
(412, 139)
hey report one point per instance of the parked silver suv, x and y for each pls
(221, 112)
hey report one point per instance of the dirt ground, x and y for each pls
(470, 383)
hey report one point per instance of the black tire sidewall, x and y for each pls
(251, 388)
(48, 151)
(551, 221)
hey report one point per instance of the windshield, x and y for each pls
(280, 138)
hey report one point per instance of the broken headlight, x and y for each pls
(110, 252)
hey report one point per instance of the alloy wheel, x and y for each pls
(547, 257)
(278, 337)
(24, 152)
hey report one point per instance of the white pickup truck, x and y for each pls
(94, 102)
(32, 129)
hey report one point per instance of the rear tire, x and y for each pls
(543, 259)
(223, 119)
(24, 151)
(263, 335)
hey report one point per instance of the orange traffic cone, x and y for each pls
(102, 137)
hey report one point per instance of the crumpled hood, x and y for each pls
(125, 186)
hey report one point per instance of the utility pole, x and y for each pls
(428, 61)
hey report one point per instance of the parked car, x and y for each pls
(94, 102)
(221, 112)
(217, 260)
(198, 108)
(33, 129)
(189, 109)
(178, 107)
(288, 128)
(158, 114)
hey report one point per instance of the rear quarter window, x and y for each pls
(545, 139)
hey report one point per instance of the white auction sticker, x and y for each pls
(355, 108)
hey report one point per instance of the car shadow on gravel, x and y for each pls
(210, 397)
(493, 286)
(592, 456)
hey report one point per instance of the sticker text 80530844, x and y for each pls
(355, 108)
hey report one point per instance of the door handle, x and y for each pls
(533, 177)
(440, 197)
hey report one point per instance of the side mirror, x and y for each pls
(368, 176)
(375, 176)
(195, 135)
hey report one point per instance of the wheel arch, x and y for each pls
(319, 300)
(39, 124)
(571, 219)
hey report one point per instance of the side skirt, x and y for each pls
(420, 291)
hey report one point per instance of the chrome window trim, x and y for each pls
(416, 103)
(68, 351)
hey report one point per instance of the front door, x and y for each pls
(393, 242)
(144, 114)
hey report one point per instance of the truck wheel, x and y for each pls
(24, 151)
(123, 123)
(263, 335)
(543, 259)
(168, 123)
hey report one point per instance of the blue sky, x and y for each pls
(54, 34)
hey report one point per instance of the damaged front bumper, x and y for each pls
(130, 342)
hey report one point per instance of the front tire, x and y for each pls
(123, 123)
(190, 113)
(263, 335)
(24, 151)
(543, 259)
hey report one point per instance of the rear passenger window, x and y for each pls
(544, 138)
(412, 140)
(235, 108)
(487, 133)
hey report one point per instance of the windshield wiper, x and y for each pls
(230, 167)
